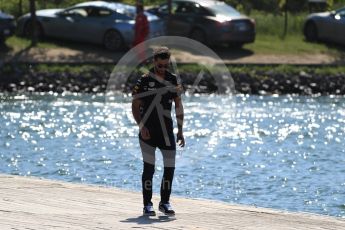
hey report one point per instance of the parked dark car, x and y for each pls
(7, 26)
(107, 23)
(326, 26)
(208, 21)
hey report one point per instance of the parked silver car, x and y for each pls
(326, 26)
(208, 21)
(107, 23)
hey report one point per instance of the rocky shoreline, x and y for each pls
(253, 82)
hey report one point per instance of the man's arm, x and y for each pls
(136, 103)
(136, 111)
(179, 118)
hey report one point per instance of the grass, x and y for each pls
(273, 24)
(291, 44)
(57, 68)
(264, 44)
(270, 39)
(65, 68)
(288, 69)
(18, 43)
(182, 68)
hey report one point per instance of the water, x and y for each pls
(283, 152)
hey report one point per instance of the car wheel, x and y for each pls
(198, 35)
(113, 40)
(310, 32)
(28, 29)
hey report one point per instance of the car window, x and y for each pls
(221, 8)
(201, 10)
(98, 12)
(164, 9)
(126, 13)
(185, 8)
(77, 12)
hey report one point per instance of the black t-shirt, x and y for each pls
(157, 96)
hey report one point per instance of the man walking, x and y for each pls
(151, 107)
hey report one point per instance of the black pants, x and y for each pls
(148, 149)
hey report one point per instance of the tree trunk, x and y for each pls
(33, 21)
(286, 19)
(20, 8)
(169, 7)
(168, 21)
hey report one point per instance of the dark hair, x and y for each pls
(140, 8)
(161, 53)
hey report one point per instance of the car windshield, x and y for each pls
(129, 12)
(223, 9)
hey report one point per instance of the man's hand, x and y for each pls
(180, 139)
(145, 134)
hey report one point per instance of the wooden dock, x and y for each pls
(33, 203)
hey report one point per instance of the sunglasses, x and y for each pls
(161, 66)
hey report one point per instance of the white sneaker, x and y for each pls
(149, 211)
(166, 209)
